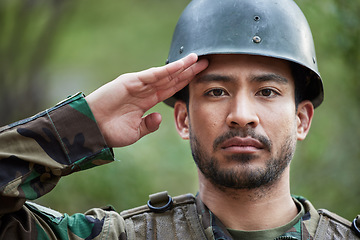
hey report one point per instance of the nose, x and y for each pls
(242, 113)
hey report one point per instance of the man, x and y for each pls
(247, 101)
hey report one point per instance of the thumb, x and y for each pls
(150, 123)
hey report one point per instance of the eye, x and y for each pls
(216, 92)
(267, 92)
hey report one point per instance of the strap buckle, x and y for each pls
(160, 202)
(355, 226)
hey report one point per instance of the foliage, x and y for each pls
(88, 43)
(28, 32)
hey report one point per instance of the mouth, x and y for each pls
(240, 145)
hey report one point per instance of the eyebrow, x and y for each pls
(256, 78)
(270, 77)
(214, 78)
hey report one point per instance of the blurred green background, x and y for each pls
(50, 49)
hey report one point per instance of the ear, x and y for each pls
(304, 115)
(181, 119)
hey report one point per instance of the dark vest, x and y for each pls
(177, 218)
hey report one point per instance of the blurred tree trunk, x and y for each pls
(28, 32)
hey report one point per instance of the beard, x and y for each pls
(243, 176)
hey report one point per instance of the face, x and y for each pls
(242, 121)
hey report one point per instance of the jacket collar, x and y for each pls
(304, 229)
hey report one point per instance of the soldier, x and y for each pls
(246, 102)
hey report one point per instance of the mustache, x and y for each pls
(248, 132)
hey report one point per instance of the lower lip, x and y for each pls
(241, 149)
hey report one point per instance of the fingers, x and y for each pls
(150, 123)
(164, 74)
(172, 69)
(160, 83)
(186, 76)
(180, 81)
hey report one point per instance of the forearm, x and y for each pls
(36, 152)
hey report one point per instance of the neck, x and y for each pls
(249, 210)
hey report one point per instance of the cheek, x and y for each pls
(279, 124)
(206, 123)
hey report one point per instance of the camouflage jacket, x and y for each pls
(36, 152)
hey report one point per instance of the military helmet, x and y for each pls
(275, 28)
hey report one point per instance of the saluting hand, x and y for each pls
(119, 106)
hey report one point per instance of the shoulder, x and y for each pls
(159, 203)
(170, 218)
(324, 224)
(333, 226)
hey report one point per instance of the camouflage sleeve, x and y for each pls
(36, 152)
(36, 222)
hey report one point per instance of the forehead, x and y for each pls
(245, 66)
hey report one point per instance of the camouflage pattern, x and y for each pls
(36, 152)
